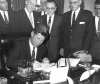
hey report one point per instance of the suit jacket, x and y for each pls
(53, 40)
(23, 23)
(95, 46)
(21, 51)
(3, 27)
(79, 36)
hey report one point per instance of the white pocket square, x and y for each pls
(81, 22)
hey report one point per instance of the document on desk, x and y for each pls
(69, 61)
(58, 75)
(87, 74)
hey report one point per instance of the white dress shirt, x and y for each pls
(31, 49)
(76, 14)
(96, 23)
(6, 13)
(33, 25)
(52, 18)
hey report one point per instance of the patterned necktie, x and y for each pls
(49, 22)
(73, 20)
(33, 54)
(5, 19)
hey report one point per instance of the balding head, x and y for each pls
(30, 5)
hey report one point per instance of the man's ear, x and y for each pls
(80, 2)
(32, 33)
(55, 8)
(25, 2)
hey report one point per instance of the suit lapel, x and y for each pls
(53, 24)
(26, 17)
(78, 18)
(37, 53)
(45, 19)
(95, 33)
(2, 23)
(34, 15)
(28, 49)
(69, 18)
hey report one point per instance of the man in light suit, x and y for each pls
(23, 49)
(53, 40)
(76, 29)
(95, 46)
(7, 18)
(27, 18)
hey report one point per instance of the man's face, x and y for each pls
(97, 10)
(30, 5)
(50, 8)
(3, 5)
(37, 39)
(42, 3)
(74, 4)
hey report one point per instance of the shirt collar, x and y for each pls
(3, 11)
(26, 11)
(97, 18)
(76, 12)
(51, 16)
(31, 46)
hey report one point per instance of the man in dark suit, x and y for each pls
(27, 18)
(95, 47)
(7, 18)
(53, 22)
(76, 29)
(24, 49)
(43, 8)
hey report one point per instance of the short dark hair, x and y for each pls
(42, 29)
(97, 2)
(50, 1)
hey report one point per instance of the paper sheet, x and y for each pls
(70, 61)
(87, 74)
(58, 75)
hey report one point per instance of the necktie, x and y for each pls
(33, 54)
(49, 22)
(5, 19)
(30, 18)
(73, 20)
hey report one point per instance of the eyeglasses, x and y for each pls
(75, 2)
(96, 8)
(3, 2)
(52, 8)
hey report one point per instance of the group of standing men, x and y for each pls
(73, 31)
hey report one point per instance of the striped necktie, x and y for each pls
(49, 22)
(33, 54)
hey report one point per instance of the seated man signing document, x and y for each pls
(30, 49)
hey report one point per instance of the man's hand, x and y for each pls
(62, 52)
(36, 65)
(45, 61)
